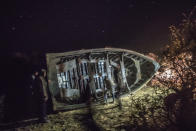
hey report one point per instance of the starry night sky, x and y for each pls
(64, 25)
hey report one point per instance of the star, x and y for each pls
(131, 6)
(13, 28)
(21, 16)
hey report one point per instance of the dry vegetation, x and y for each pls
(130, 115)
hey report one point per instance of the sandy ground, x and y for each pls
(112, 116)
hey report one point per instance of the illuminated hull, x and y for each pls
(69, 74)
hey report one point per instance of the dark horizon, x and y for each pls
(140, 25)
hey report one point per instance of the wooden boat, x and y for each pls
(69, 75)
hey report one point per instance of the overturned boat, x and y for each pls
(69, 74)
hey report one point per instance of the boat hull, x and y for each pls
(70, 75)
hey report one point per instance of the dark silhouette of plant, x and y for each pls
(178, 73)
(172, 106)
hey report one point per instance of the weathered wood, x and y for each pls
(136, 70)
